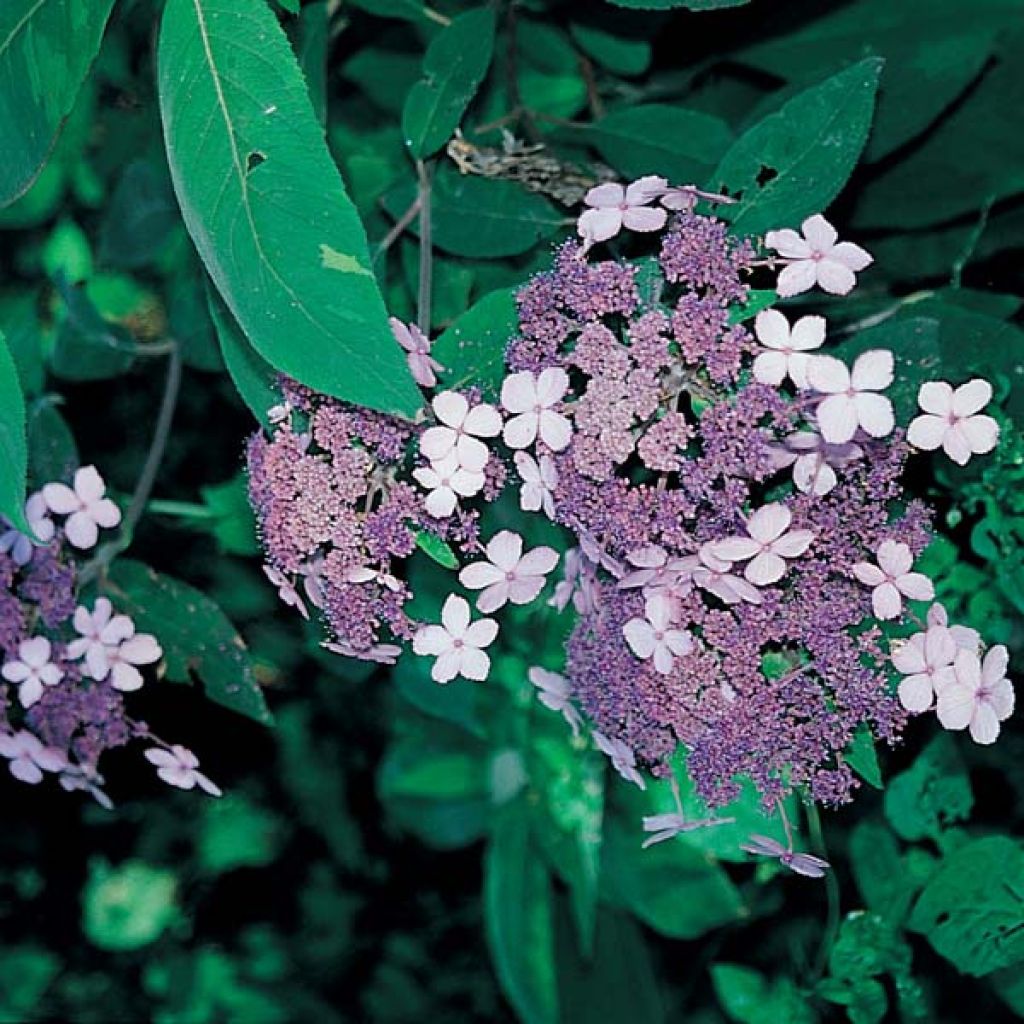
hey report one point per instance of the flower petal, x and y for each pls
(431, 640)
(820, 234)
(837, 415)
(955, 707)
(916, 586)
(455, 616)
(981, 432)
(971, 397)
(608, 194)
(796, 278)
(828, 375)
(873, 370)
(927, 432)
(555, 430)
(483, 420)
(772, 329)
(766, 568)
(644, 218)
(769, 522)
(886, 601)
(61, 499)
(81, 531)
(874, 412)
(600, 225)
(521, 431)
(450, 408)
(834, 277)
(936, 397)
(788, 243)
(639, 634)
(475, 664)
(916, 694)
(852, 256)
(770, 368)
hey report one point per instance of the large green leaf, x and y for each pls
(46, 48)
(266, 207)
(795, 162)
(453, 68)
(13, 446)
(472, 350)
(195, 634)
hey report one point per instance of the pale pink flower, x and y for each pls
(32, 670)
(177, 767)
(851, 398)
(614, 207)
(786, 346)
(447, 480)
(713, 574)
(577, 583)
(540, 478)
(769, 543)
(382, 654)
(674, 823)
(980, 697)
(286, 590)
(460, 431)
(85, 506)
(140, 649)
(926, 659)
(964, 637)
(20, 546)
(84, 778)
(28, 757)
(553, 692)
(422, 365)
(364, 574)
(622, 758)
(816, 257)
(684, 197)
(814, 460)
(892, 580)
(532, 399)
(654, 636)
(508, 574)
(111, 647)
(650, 567)
(457, 644)
(801, 863)
(951, 420)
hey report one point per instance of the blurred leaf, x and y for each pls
(472, 350)
(453, 68)
(140, 216)
(52, 453)
(796, 161)
(67, 251)
(610, 46)
(440, 776)
(46, 48)
(194, 633)
(19, 321)
(13, 443)
(748, 997)
(87, 347)
(233, 524)
(236, 833)
(385, 75)
(129, 906)
(191, 324)
(878, 868)
(266, 207)
(26, 972)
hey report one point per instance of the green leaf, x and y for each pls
(472, 350)
(87, 347)
(807, 151)
(453, 68)
(52, 453)
(609, 44)
(655, 138)
(129, 906)
(518, 917)
(266, 207)
(46, 48)
(862, 758)
(232, 522)
(440, 551)
(748, 997)
(13, 443)
(194, 633)
(757, 300)
(311, 48)
(878, 868)
(140, 216)
(972, 909)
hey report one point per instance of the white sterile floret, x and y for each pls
(926, 659)
(622, 758)
(655, 636)
(951, 420)
(814, 460)
(614, 207)
(457, 643)
(816, 257)
(851, 398)
(286, 590)
(177, 766)
(85, 506)
(28, 757)
(769, 543)
(554, 692)
(460, 430)
(447, 480)
(508, 574)
(540, 478)
(111, 647)
(891, 579)
(532, 398)
(786, 347)
(32, 670)
(980, 696)
(18, 545)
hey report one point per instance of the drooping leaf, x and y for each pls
(453, 68)
(440, 551)
(266, 207)
(196, 636)
(13, 444)
(46, 48)
(795, 162)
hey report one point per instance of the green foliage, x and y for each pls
(13, 445)
(129, 906)
(472, 349)
(747, 997)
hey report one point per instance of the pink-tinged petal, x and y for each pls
(29, 692)
(994, 667)
(828, 375)
(770, 368)
(984, 724)
(527, 467)
(894, 557)
(160, 758)
(766, 568)
(524, 589)
(479, 575)
(483, 421)
(763, 846)
(971, 397)
(916, 586)
(50, 675)
(207, 785)
(956, 444)
(936, 397)
(476, 664)
(808, 333)
(49, 759)
(521, 431)
(806, 864)
(482, 633)
(61, 499)
(125, 677)
(26, 771)
(769, 522)
(467, 483)
(105, 513)
(967, 666)
(431, 640)
(916, 694)
(796, 278)
(552, 385)
(505, 549)
(927, 432)
(600, 225)
(868, 574)
(538, 562)
(834, 277)
(743, 591)
(955, 707)
(35, 652)
(441, 502)
(679, 642)
(812, 475)
(472, 453)
(639, 634)
(837, 416)
(793, 544)
(450, 408)
(910, 658)
(1001, 699)
(438, 442)
(886, 601)
(555, 430)
(873, 370)
(493, 597)
(981, 432)
(141, 650)
(15, 671)
(77, 648)
(788, 243)
(422, 369)
(120, 627)
(403, 334)
(609, 194)
(531, 497)
(659, 611)
(820, 234)
(644, 218)
(447, 666)
(81, 531)
(426, 476)
(652, 556)
(645, 189)
(939, 646)
(663, 660)
(772, 329)
(734, 549)
(455, 616)
(89, 484)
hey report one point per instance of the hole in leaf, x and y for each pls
(253, 160)
(765, 175)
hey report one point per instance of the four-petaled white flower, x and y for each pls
(655, 636)
(892, 580)
(816, 257)
(652, 569)
(508, 574)
(951, 420)
(28, 757)
(111, 647)
(674, 823)
(980, 697)
(769, 543)
(926, 659)
(531, 398)
(553, 692)
(177, 766)
(622, 758)
(422, 365)
(787, 347)
(20, 546)
(457, 644)
(614, 207)
(32, 670)
(540, 478)
(801, 863)
(714, 574)
(460, 431)
(85, 506)
(447, 480)
(814, 460)
(286, 590)
(381, 654)
(852, 398)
